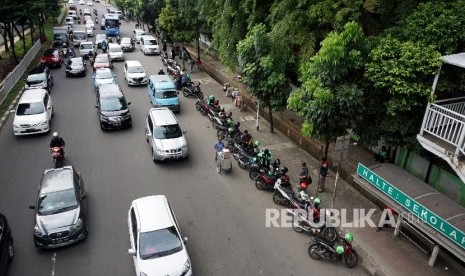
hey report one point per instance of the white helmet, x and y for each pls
(55, 134)
(304, 195)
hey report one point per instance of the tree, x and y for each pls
(401, 74)
(263, 65)
(331, 99)
(175, 18)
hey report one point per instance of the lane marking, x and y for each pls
(54, 258)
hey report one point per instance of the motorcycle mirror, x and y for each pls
(96, 106)
(32, 207)
(12, 111)
(184, 131)
(129, 103)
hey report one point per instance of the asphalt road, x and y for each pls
(223, 215)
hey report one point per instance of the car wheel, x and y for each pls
(153, 156)
(11, 250)
(102, 127)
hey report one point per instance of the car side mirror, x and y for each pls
(93, 77)
(184, 131)
(12, 111)
(83, 197)
(177, 92)
(129, 103)
(96, 106)
(149, 135)
(49, 107)
(131, 252)
(186, 238)
(32, 207)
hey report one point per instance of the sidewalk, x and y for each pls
(381, 253)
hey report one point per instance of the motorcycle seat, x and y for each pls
(329, 243)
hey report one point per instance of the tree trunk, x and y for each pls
(24, 40)
(270, 111)
(12, 41)
(17, 31)
(5, 39)
(32, 32)
(327, 142)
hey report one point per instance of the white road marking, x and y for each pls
(54, 258)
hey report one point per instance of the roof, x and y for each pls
(163, 116)
(455, 59)
(57, 180)
(147, 37)
(110, 90)
(38, 70)
(32, 95)
(133, 63)
(154, 213)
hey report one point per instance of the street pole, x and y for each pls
(335, 186)
(258, 109)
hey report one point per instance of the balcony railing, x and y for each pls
(445, 120)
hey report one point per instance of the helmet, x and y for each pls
(231, 130)
(222, 109)
(266, 151)
(161, 69)
(211, 97)
(229, 114)
(339, 250)
(237, 125)
(246, 131)
(348, 237)
(55, 134)
(317, 200)
(257, 143)
(284, 170)
(303, 185)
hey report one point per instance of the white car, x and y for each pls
(86, 12)
(86, 49)
(89, 3)
(69, 21)
(115, 52)
(137, 34)
(134, 73)
(89, 30)
(81, 2)
(157, 247)
(90, 23)
(33, 113)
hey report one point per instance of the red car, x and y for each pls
(52, 57)
(102, 61)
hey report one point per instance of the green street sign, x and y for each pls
(430, 218)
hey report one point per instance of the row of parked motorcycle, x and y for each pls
(306, 211)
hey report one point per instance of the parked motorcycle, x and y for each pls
(57, 155)
(283, 195)
(257, 169)
(192, 90)
(244, 160)
(323, 249)
(300, 223)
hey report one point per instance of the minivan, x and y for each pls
(164, 135)
(157, 246)
(33, 113)
(162, 92)
(113, 110)
(78, 37)
(149, 45)
(115, 52)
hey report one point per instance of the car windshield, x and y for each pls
(167, 132)
(113, 104)
(49, 53)
(36, 78)
(159, 243)
(115, 49)
(140, 32)
(101, 59)
(151, 42)
(57, 202)
(166, 94)
(76, 62)
(125, 41)
(60, 36)
(80, 36)
(100, 38)
(135, 69)
(86, 46)
(30, 108)
(103, 74)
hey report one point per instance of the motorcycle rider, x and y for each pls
(264, 158)
(211, 100)
(161, 72)
(57, 141)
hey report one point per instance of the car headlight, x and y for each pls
(44, 123)
(184, 148)
(187, 266)
(16, 125)
(104, 118)
(159, 150)
(77, 225)
(37, 231)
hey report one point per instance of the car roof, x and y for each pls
(87, 42)
(50, 51)
(139, 31)
(132, 63)
(76, 59)
(110, 90)
(163, 116)
(102, 55)
(154, 213)
(55, 180)
(38, 70)
(126, 38)
(113, 45)
(32, 95)
(101, 69)
(148, 37)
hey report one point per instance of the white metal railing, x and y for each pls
(14, 76)
(446, 125)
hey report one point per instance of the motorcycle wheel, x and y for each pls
(329, 234)
(241, 165)
(198, 107)
(277, 199)
(184, 92)
(253, 175)
(259, 184)
(351, 259)
(296, 224)
(312, 251)
(218, 166)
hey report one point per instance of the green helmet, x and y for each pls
(231, 130)
(211, 98)
(317, 200)
(348, 237)
(339, 250)
(257, 143)
(255, 159)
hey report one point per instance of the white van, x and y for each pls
(149, 45)
(164, 135)
(33, 113)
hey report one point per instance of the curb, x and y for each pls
(10, 107)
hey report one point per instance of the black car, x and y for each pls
(61, 209)
(113, 111)
(39, 77)
(76, 67)
(7, 250)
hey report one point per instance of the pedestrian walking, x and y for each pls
(198, 63)
(173, 53)
(191, 65)
(323, 173)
